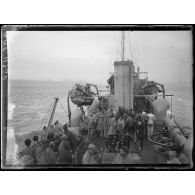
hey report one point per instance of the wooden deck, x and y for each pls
(148, 154)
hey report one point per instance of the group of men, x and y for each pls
(51, 148)
(123, 157)
(57, 145)
(105, 123)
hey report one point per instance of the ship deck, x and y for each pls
(148, 154)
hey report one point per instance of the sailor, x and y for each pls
(58, 129)
(51, 154)
(131, 113)
(140, 134)
(36, 139)
(134, 128)
(43, 132)
(124, 157)
(106, 124)
(121, 124)
(41, 154)
(128, 123)
(65, 152)
(145, 118)
(169, 114)
(110, 111)
(71, 137)
(51, 136)
(143, 115)
(100, 124)
(34, 147)
(150, 123)
(83, 128)
(113, 126)
(89, 156)
(28, 151)
(91, 125)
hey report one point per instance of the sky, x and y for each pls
(90, 55)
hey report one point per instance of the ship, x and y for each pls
(128, 90)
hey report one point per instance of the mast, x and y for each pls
(51, 117)
(123, 46)
(123, 58)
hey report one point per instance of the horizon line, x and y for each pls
(51, 80)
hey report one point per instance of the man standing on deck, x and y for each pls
(64, 151)
(34, 147)
(89, 157)
(144, 121)
(43, 132)
(71, 137)
(125, 157)
(58, 130)
(91, 125)
(28, 150)
(100, 124)
(113, 126)
(51, 154)
(128, 123)
(150, 123)
(140, 134)
(121, 124)
(131, 113)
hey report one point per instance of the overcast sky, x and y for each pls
(89, 55)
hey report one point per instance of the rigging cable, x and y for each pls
(101, 73)
(47, 115)
(147, 56)
(144, 50)
(130, 43)
(63, 108)
(131, 54)
(117, 50)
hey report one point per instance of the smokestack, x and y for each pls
(123, 86)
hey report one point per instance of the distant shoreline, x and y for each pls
(78, 81)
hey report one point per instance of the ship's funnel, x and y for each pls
(123, 84)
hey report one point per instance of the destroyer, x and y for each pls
(113, 128)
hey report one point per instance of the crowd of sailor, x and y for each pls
(59, 145)
(108, 123)
(55, 147)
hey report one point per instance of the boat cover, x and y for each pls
(81, 95)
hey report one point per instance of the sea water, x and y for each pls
(182, 102)
(29, 102)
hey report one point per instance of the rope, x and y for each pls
(88, 108)
(45, 118)
(47, 114)
(63, 108)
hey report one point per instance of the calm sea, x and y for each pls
(29, 101)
